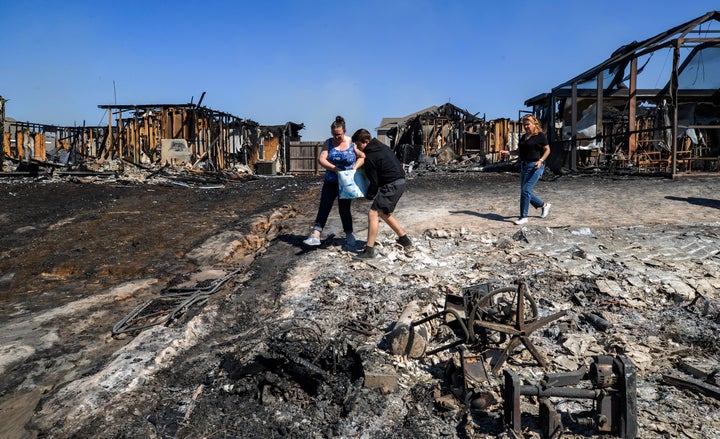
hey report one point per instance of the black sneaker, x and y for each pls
(405, 242)
(367, 253)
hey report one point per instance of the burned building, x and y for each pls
(652, 107)
(176, 134)
(219, 139)
(447, 133)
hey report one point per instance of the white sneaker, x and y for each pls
(520, 221)
(545, 210)
(312, 240)
(350, 240)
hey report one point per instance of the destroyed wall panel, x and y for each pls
(270, 148)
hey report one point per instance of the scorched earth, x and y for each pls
(136, 310)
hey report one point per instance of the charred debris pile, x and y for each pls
(418, 345)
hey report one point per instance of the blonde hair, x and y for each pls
(537, 128)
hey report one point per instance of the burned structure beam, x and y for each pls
(2, 131)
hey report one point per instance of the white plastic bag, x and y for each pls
(352, 183)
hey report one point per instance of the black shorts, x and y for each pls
(388, 196)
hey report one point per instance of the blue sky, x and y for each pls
(307, 61)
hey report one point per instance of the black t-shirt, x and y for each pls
(381, 166)
(530, 150)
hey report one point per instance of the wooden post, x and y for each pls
(599, 112)
(573, 128)
(108, 153)
(632, 107)
(674, 103)
(20, 142)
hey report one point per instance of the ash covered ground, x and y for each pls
(99, 338)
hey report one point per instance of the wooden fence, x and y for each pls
(302, 157)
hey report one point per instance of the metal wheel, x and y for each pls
(500, 306)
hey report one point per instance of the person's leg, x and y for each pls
(327, 199)
(525, 174)
(387, 200)
(393, 223)
(533, 199)
(382, 207)
(345, 215)
(373, 226)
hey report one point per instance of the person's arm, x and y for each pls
(545, 154)
(323, 161)
(360, 158)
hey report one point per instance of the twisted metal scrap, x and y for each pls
(181, 301)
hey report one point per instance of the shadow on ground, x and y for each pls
(707, 202)
(487, 216)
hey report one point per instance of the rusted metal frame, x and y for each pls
(613, 391)
(697, 385)
(460, 340)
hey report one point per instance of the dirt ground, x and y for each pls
(77, 257)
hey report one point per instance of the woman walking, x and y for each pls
(533, 150)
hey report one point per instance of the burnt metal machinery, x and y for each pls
(494, 317)
(612, 388)
(510, 315)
